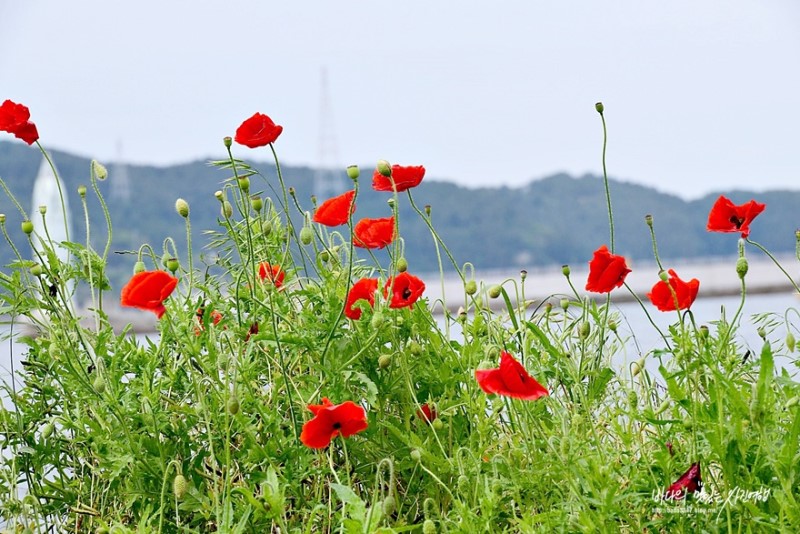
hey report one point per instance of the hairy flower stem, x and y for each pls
(649, 318)
(605, 183)
(776, 262)
(58, 184)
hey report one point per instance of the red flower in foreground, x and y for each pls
(686, 292)
(148, 290)
(689, 482)
(403, 177)
(271, 273)
(330, 420)
(364, 289)
(15, 119)
(606, 271)
(405, 288)
(427, 412)
(725, 216)
(374, 233)
(510, 379)
(258, 130)
(335, 211)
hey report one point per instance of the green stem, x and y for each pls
(775, 261)
(605, 183)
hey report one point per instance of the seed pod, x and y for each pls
(36, 270)
(244, 184)
(384, 361)
(790, 342)
(27, 227)
(256, 203)
(415, 455)
(179, 487)
(353, 172)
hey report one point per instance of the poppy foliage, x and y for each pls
(335, 211)
(148, 290)
(606, 271)
(271, 273)
(689, 482)
(258, 130)
(405, 289)
(374, 233)
(330, 420)
(510, 379)
(685, 293)
(364, 289)
(403, 178)
(725, 216)
(15, 119)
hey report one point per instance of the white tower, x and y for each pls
(325, 176)
(45, 193)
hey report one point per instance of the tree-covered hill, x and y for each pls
(555, 220)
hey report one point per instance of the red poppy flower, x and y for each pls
(374, 233)
(330, 420)
(336, 211)
(606, 271)
(405, 288)
(510, 379)
(403, 177)
(15, 119)
(725, 216)
(271, 273)
(689, 482)
(427, 413)
(364, 289)
(258, 130)
(686, 292)
(148, 290)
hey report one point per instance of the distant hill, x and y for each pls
(555, 220)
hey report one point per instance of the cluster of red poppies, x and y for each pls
(608, 271)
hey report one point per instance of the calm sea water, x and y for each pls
(633, 320)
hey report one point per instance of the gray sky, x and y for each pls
(699, 95)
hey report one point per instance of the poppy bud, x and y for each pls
(761, 332)
(415, 348)
(704, 331)
(428, 527)
(462, 314)
(664, 276)
(565, 270)
(306, 235)
(648, 219)
(292, 192)
(353, 172)
(182, 207)
(43, 209)
(233, 404)
(662, 407)
(385, 168)
(463, 484)
(244, 184)
(227, 141)
(688, 424)
(179, 487)
(139, 267)
(27, 227)
(390, 202)
(471, 287)
(227, 209)
(564, 304)
(402, 265)
(378, 320)
(612, 325)
(256, 203)
(415, 455)
(599, 107)
(219, 195)
(792, 402)
(384, 361)
(633, 399)
(790, 342)
(82, 191)
(494, 292)
(99, 384)
(389, 505)
(47, 429)
(584, 330)
(172, 265)
(266, 229)
(99, 170)
(437, 424)
(741, 267)
(637, 366)
(324, 256)
(36, 270)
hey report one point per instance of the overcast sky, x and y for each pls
(699, 95)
